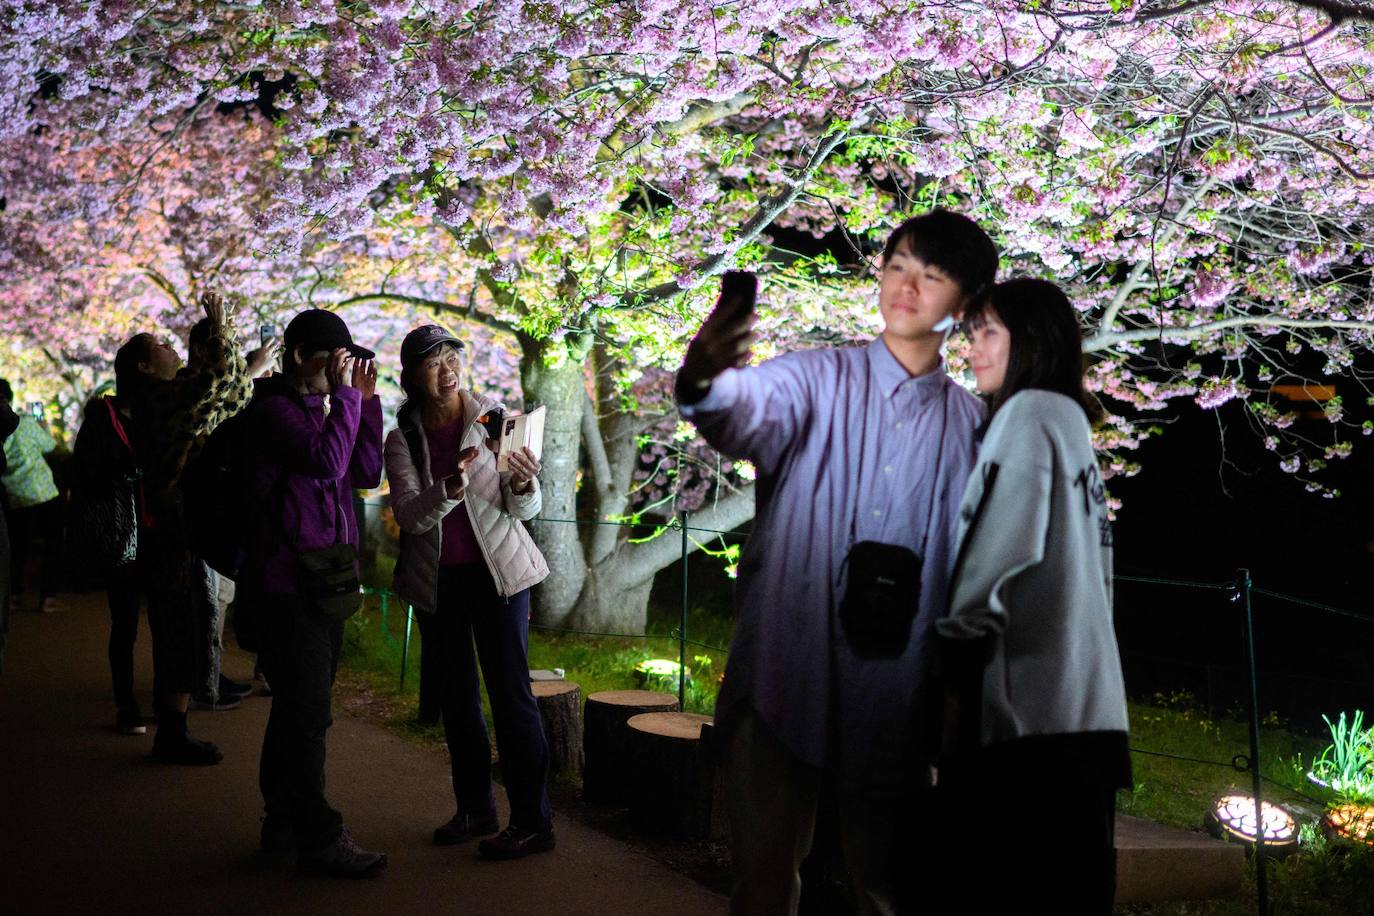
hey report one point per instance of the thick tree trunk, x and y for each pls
(560, 389)
(610, 604)
(597, 580)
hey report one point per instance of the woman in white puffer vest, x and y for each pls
(467, 565)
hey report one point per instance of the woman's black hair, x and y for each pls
(129, 379)
(1046, 347)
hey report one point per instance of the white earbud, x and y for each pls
(944, 325)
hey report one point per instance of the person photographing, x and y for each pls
(467, 565)
(861, 456)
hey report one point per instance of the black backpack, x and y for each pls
(221, 511)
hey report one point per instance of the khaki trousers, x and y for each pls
(772, 799)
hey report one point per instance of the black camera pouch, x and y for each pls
(882, 594)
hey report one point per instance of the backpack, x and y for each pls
(108, 499)
(221, 512)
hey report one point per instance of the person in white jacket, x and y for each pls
(467, 565)
(1035, 715)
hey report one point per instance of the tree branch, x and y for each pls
(495, 324)
(1105, 340)
(639, 562)
(596, 449)
(1132, 282)
(769, 210)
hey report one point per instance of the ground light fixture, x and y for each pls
(1233, 817)
(654, 669)
(1353, 822)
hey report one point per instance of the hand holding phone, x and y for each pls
(725, 337)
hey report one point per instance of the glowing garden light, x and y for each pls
(1353, 822)
(659, 670)
(1233, 817)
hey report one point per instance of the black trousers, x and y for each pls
(125, 597)
(471, 611)
(1017, 833)
(300, 656)
(26, 525)
(173, 581)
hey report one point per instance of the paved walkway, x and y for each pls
(88, 823)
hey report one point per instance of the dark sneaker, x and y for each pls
(186, 751)
(232, 688)
(223, 704)
(130, 722)
(464, 827)
(514, 843)
(278, 837)
(342, 858)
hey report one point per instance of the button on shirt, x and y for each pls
(842, 440)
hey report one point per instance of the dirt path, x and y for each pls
(88, 823)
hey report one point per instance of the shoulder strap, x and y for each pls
(118, 425)
(989, 478)
(414, 438)
(939, 457)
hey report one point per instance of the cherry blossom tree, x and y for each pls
(1197, 173)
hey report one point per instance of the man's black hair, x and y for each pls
(6, 392)
(128, 377)
(1046, 349)
(953, 243)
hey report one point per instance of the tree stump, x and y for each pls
(606, 765)
(674, 774)
(560, 708)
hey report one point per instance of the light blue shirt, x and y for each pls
(838, 437)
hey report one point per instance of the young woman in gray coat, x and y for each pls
(467, 565)
(1035, 733)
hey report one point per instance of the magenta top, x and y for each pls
(458, 542)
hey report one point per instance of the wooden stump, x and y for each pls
(606, 765)
(560, 708)
(674, 774)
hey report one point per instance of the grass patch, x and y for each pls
(1176, 791)
(1323, 879)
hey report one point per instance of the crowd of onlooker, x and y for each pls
(282, 448)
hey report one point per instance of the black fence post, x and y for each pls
(1243, 586)
(682, 626)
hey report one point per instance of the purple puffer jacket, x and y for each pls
(325, 458)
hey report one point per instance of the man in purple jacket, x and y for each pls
(316, 436)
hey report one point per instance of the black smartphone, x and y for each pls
(265, 333)
(492, 421)
(740, 286)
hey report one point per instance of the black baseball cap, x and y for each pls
(320, 329)
(423, 339)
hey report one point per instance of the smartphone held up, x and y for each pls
(739, 291)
